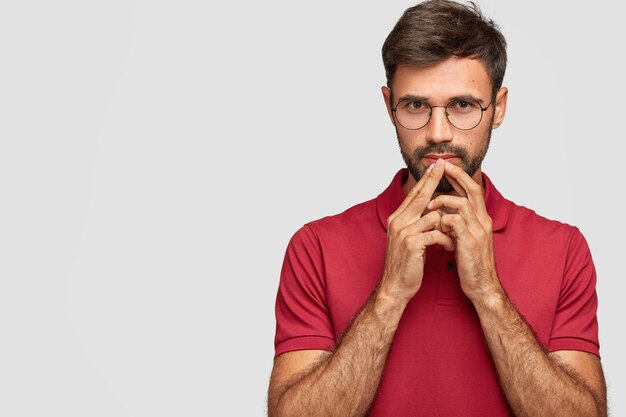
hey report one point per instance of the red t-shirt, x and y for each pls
(439, 364)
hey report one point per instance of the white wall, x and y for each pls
(156, 156)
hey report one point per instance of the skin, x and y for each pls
(344, 382)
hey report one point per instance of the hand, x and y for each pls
(409, 232)
(466, 221)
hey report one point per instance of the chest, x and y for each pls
(528, 274)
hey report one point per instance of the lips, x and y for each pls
(431, 158)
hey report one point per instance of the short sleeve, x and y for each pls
(302, 316)
(576, 324)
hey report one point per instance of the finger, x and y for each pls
(421, 197)
(458, 174)
(434, 237)
(471, 188)
(412, 193)
(428, 222)
(455, 225)
(462, 206)
(455, 184)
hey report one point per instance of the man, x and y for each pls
(439, 297)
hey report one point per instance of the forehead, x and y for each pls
(443, 80)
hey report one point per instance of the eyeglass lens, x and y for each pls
(462, 114)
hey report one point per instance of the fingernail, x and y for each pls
(430, 168)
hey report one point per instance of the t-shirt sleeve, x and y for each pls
(576, 325)
(302, 317)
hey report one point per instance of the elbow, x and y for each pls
(600, 402)
(277, 411)
(276, 405)
(597, 406)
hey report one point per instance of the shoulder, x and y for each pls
(515, 220)
(528, 220)
(354, 227)
(354, 217)
(543, 232)
(357, 222)
(363, 220)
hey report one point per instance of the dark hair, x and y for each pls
(435, 30)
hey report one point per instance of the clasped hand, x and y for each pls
(459, 223)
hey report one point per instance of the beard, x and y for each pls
(469, 163)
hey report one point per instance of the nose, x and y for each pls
(439, 128)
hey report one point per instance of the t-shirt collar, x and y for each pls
(390, 199)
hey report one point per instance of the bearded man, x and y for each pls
(439, 297)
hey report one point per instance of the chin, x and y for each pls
(444, 186)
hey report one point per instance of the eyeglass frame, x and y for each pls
(430, 116)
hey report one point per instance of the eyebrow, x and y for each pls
(412, 97)
(467, 97)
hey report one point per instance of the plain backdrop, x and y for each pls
(156, 157)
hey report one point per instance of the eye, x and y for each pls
(463, 106)
(416, 106)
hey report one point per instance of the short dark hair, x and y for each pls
(435, 30)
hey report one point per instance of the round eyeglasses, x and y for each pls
(464, 114)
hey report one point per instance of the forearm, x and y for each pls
(534, 383)
(344, 383)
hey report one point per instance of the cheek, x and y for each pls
(409, 141)
(478, 141)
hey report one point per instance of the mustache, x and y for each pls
(440, 148)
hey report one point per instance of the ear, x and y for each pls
(387, 96)
(500, 107)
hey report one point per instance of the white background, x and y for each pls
(156, 157)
